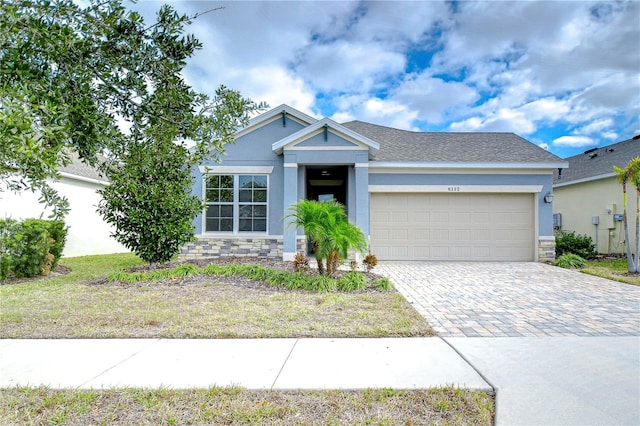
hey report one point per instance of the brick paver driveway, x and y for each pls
(515, 299)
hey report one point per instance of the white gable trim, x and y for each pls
(318, 127)
(236, 170)
(273, 115)
(447, 165)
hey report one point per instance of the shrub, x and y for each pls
(7, 243)
(322, 283)
(370, 261)
(295, 281)
(383, 284)
(32, 253)
(185, 270)
(31, 247)
(570, 261)
(58, 232)
(300, 263)
(352, 281)
(581, 245)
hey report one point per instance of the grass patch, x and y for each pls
(195, 306)
(612, 269)
(448, 406)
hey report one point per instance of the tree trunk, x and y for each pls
(636, 264)
(627, 243)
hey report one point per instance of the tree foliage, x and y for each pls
(69, 74)
(329, 231)
(97, 79)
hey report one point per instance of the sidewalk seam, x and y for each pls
(493, 387)
(284, 364)
(119, 363)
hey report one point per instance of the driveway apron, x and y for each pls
(560, 347)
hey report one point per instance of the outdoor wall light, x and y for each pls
(548, 198)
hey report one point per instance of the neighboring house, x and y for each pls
(417, 196)
(88, 233)
(588, 197)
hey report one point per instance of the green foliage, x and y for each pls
(31, 247)
(383, 284)
(327, 227)
(70, 72)
(352, 281)
(322, 284)
(581, 245)
(570, 261)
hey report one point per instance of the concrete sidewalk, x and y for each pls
(401, 363)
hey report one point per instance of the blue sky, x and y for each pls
(563, 74)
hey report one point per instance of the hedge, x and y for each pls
(30, 247)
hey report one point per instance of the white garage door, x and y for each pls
(443, 226)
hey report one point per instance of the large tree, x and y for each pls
(70, 73)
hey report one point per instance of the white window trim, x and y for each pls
(236, 206)
(236, 170)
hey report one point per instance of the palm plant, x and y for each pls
(329, 231)
(623, 177)
(633, 171)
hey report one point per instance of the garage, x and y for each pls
(458, 226)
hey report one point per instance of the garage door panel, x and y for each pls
(452, 226)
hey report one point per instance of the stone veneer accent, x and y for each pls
(547, 249)
(212, 246)
(233, 246)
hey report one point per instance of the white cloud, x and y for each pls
(493, 66)
(597, 126)
(574, 141)
(432, 98)
(544, 146)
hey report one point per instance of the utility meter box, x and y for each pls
(618, 217)
(595, 220)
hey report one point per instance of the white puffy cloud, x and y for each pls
(574, 141)
(568, 67)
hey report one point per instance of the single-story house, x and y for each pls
(416, 195)
(588, 197)
(88, 233)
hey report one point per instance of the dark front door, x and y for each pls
(326, 183)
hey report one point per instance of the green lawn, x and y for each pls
(76, 305)
(235, 406)
(82, 304)
(613, 269)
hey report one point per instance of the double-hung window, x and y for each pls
(236, 203)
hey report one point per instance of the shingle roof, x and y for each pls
(445, 147)
(78, 168)
(599, 161)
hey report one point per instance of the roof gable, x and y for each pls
(353, 139)
(598, 162)
(282, 112)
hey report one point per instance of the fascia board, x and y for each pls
(583, 180)
(446, 165)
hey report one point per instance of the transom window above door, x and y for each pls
(235, 203)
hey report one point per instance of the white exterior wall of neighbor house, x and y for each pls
(88, 233)
(578, 203)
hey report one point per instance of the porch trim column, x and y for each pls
(362, 197)
(290, 197)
